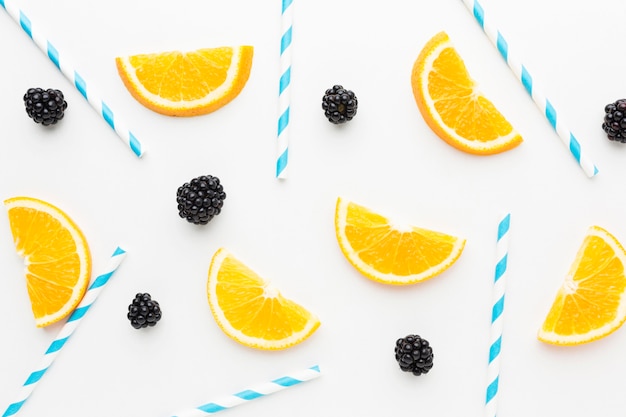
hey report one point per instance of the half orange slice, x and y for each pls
(252, 311)
(187, 83)
(453, 106)
(56, 256)
(390, 252)
(591, 302)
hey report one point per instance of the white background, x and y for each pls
(386, 158)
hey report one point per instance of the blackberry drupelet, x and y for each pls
(45, 106)
(340, 105)
(143, 311)
(414, 354)
(614, 124)
(200, 199)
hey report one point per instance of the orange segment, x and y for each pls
(453, 106)
(389, 252)
(249, 310)
(56, 256)
(591, 303)
(187, 83)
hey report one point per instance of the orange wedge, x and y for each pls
(56, 256)
(187, 83)
(452, 105)
(591, 303)
(389, 252)
(251, 311)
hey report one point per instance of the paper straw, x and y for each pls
(284, 91)
(522, 74)
(66, 331)
(253, 393)
(493, 368)
(62, 63)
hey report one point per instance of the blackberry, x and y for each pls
(143, 311)
(339, 105)
(45, 106)
(614, 124)
(200, 199)
(414, 354)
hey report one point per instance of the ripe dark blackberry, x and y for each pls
(614, 124)
(143, 311)
(339, 105)
(414, 354)
(200, 199)
(45, 106)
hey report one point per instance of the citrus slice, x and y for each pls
(591, 303)
(56, 256)
(452, 105)
(389, 252)
(187, 83)
(251, 311)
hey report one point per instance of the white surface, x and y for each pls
(386, 158)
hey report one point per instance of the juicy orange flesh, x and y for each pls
(379, 245)
(241, 295)
(178, 76)
(597, 298)
(451, 88)
(50, 251)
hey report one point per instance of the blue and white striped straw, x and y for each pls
(284, 90)
(63, 65)
(248, 395)
(522, 74)
(66, 331)
(499, 282)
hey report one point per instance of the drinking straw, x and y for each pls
(284, 90)
(522, 74)
(62, 63)
(493, 367)
(66, 331)
(253, 393)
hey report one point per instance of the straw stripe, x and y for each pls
(285, 80)
(53, 54)
(61, 62)
(249, 395)
(25, 24)
(253, 393)
(497, 310)
(498, 307)
(284, 89)
(503, 47)
(80, 84)
(285, 40)
(66, 331)
(78, 313)
(567, 137)
(283, 121)
(527, 81)
(56, 345)
(108, 115)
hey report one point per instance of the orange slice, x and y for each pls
(389, 252)
(251, 311)
(452, 105)
(591, 303)
(187, 83)
(56, 256)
